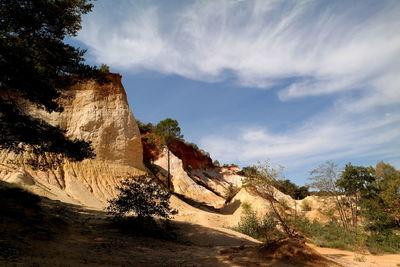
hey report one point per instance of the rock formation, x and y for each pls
(98, 113)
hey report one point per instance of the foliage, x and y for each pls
(216, 163)
(104, 68)
(145, 127)
(169, 130)
(260, 180)
(331, 234)
(142, 196)
(231, 192)
(388, 182)
(371, 194)
(387, 242)
(324, 178)
(263, 229)
(305, 205)
(354, 182)
(291, 189)
(36, 66)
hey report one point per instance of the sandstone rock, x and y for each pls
(98, 113)
(184, 185)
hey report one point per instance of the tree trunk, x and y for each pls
(168, 171)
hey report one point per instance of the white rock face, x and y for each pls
(185, 185)
(96, 113)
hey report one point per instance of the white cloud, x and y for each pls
(335, 45)
(331, 136)
(313, 47)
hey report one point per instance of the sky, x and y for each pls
(296, 82)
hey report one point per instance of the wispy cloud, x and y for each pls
(316, 47)
(328, 46)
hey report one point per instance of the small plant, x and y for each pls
(142, 197)
(285, 205)
(330, 235)
(231, 192)
(306, 205)
(263, 229)
(359, 258)
(104, 68)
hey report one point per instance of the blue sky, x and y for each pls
(296, 82)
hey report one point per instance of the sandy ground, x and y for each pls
(68, 235)
(349, 258)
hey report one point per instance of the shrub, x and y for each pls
(305, 205)
(330, 235)
(104, 68)
(384, 242)
(143, 197)
(263, 229)
(231, 192)
(216, 163)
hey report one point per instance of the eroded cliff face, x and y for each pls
(98, 113)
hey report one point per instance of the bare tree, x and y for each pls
(324, 178)
(260, 180)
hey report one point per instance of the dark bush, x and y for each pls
(143, 198)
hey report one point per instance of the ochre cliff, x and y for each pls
(98, 113)
(190, 156)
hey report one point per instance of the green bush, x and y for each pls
(104, 68)
(305, 205)
(142, 197)
(383, 242)
(263, 229)
(231, 192)
(330, 235)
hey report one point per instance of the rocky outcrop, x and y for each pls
(184, 185)
(191, 157)
(98, 113)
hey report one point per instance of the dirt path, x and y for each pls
(348, 258)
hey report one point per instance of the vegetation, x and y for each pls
(305, 205)
(147, 201)
(143, 197)
(372, 194)
(330, 234)
(37, 67)
(285, 186)
(325, 178)
(231, 192)
(260, 180)
(263, 229)
(291, 189)
(104, 68)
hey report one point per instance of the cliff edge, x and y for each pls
(100, 114)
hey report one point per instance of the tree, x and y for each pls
(354, 182)
(324, 178)
(104, 68)
(142, 196)
(291, 189)
(388, 182)
(260, 180)
(169, 131)
(36, 68)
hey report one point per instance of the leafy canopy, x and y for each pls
(169, 130)
(142, 196)
(37, 67)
